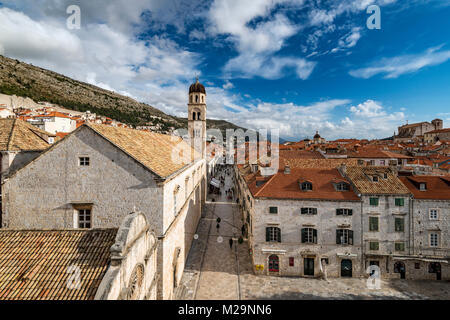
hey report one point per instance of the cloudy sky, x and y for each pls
(295, 65)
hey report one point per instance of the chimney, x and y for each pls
(343, 169)
(287, 170)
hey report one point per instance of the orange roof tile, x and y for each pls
(34, 265)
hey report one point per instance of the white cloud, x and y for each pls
(397, 66)
(228, 85)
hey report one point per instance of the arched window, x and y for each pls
(190, 99)
(193, 115)
(199, 114)
(274, 263)
(196, 98)
(203, 99)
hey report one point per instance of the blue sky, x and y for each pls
(293, 65)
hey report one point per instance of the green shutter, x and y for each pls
(350, 237)
(267, 234)
(315, 236)
(339, 212)
(373, 223)
(399, 224)
(279, 234)
(374, 201)
(338, 236)
(400, 202)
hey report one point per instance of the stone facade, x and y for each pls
(291, 251)
(47, 193)
(384, 242)
(132, 274)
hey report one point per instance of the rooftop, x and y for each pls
(18, 135)
(35, 265)
(437, 188)
(361, 177)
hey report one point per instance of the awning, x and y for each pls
(215, 183)
(421, 259)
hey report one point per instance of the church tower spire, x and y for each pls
(197, 117)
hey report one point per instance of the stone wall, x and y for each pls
(291, 221)
(43, 195)
(132, 274)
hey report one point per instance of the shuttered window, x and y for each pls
(344, 236)
(344, 212)
(273, 210)
(273, 234)
(374, 246)
(373, 224)
(309, 235)
(309, 211)
(399, 202)
(374, 201)
(399, 224)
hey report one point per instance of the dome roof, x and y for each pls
(317, 136)
(197, 87)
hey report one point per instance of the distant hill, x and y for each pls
(25, 80)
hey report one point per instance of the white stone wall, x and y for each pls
(386, 211)
(41, 196)
(136, 246)
(291, 221)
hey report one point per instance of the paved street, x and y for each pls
(216, 272)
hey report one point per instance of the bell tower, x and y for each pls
(197, 117)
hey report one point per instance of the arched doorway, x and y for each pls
(274, 263)
(347, 268)
(399, 267)
(435, 267)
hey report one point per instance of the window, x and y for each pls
(399, 224)
(309, 211)
(291, 262)
(373, 224)
(375, 178)
(374, 202)
(374, 245)
(306, 186)
(343, 187)
(382, 162)
(344, 236)
(399, 202)
(84, 219)
(400, 246)
(417, 265)
(273, 234)
(423, 187)
(344, 212)
(434, 215)
(434, 240)
(84, 162)
(274, 263)
(309, 235)
(273, 210)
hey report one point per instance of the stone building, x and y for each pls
(414, 130)
(98, 174)
(101, 264)
(385, 217)
(430, 235)
(437, 135)
(302, 222)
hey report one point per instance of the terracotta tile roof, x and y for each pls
(286, 186)
(317, 163)
(158, 152)
(34, 265)
(18, 135)
(361, 177)
(54, 114)
(300, 154)
(439, 131)
(438, 188)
